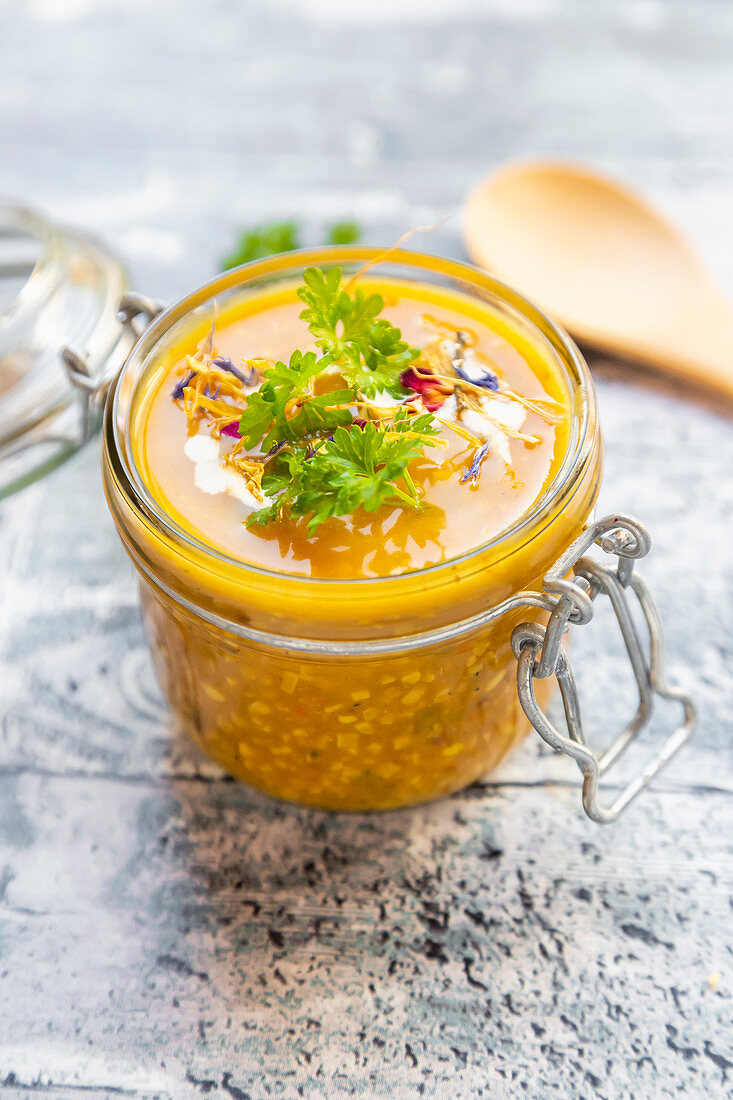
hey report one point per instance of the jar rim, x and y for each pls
(41, 277)
(578, 454)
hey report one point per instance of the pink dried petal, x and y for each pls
(232, 430)
(430, 388)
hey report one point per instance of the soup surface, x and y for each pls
(494, 458)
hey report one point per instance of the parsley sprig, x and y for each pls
(359, 468)
(284, 408)
(321, 461)
(348, 329)
(269, 240)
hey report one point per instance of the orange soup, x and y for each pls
(333, 517)
(526, 426)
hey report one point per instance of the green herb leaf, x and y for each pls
(386, 356)
(320, 414)
(266, 421)
(359, 468)
(280, 486)
(267, 240)
(297, 374)
(326, 470)
(369, 350)
(344, 233)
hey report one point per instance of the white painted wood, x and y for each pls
(165, 933)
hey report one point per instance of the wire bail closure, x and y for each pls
(134, 313)
(540, 654)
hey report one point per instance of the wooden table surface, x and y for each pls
(165, 932)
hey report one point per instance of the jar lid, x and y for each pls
(57, 287)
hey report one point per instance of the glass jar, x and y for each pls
(57, 286)
(380, 692)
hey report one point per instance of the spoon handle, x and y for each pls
(711, 374)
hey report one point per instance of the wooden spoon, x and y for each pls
(605, 265)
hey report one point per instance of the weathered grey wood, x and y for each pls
(167, 933)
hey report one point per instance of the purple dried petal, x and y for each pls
(487, 379)
(472, 473)
(180, 386)
(223, 362)
(232, 430)
(276, 447)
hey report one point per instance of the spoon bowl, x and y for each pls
(606, 265)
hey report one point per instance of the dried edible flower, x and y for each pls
(472, 473)
(223, 362)
(487, 380)
(180, 386)
(276, 448)
(465, 336)
(431, 389)
(250, 468)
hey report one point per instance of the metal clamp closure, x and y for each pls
(540, 654)
(135, 312)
